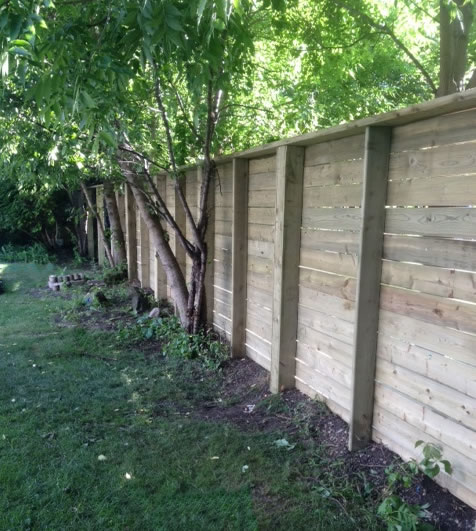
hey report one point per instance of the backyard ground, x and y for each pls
(101, 432)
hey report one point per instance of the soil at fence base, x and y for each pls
(246, 384)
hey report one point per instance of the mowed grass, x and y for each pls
(91, 444)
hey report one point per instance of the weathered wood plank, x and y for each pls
(263, 182)
(264, 165)
(427, 420)
(440, 161)
(333, 196)
(285, 270)
(337, 285)
(439, 252)
(450, 222)
(324, 322)
(336, 173)
(430, 364)
(131, 233)
(262, 198)
(350, 148)
(342, 264)
(448, 283)
(316, 300)
(332, 218)
(261, 216)
(343, 242)
(440, 130)
(239, 256)
(377, 153)
(435, 191)
(446, 341)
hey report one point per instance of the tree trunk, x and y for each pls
(102, 233)
(454, 38)
(120, 255)
(175, 277)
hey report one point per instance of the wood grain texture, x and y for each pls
(377, 154)
(289, 197)
(449, 222)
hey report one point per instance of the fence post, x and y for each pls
(90, 227)
(209, 240)
(131, 233)
(144, 259)
(100, 211)
(376, 162)
(287, 243)
(239, 258)
(160, 278)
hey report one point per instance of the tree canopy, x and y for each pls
(115, 91)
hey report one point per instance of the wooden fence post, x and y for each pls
(90, 228)
(100, 211)
(239, 257)
(210, 241)
(143, 252)
(287, 242)
(176, 210)
(376, 162)
(160, 278)
(131, 233)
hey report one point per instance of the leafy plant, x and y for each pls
(176, 342)
(114, 275)
(401, 516)
(397, 513)
(35, 253)
(433, 461)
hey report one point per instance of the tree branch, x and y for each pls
(383, 28)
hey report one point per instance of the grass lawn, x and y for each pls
(88, 443)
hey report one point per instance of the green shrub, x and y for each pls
(176, 342)
(114, 275)
(35, 253)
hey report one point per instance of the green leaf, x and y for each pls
(89, 102)
(447, 466)
(173, 23)
(108, 138)
(201, 7)
(20, 51)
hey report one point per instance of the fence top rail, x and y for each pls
(460, 101)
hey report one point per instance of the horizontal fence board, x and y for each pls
(316, 343)
(221, 295)
(450, 402)
(325, 386)
(261, 216)
(338, 285)
(261, 297)
(262, 198)
(223, 214)
(446, 341)
(259, 281)
(435, 310)
(222, 281)
(261, 233)
(261, 249)
(264, 165)
(349, 148)
(222, 308)
(332, 218)
(258, 357)
(429, 421)
(430, 364)
(440, 161)
(453, 222)
(435, 191)
(344, 309)
(324, 364)
(334, 241)
(320, 321)
(431, 280)
(261, 265)
(223, 242)
(223, 228)
(344, 172)
(400, 437)
(342, 264)
(224, 199)
(445, 129)
(258, 344)
(262, 182)
(439, 252)
(333, 196)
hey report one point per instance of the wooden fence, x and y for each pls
(344, 262)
